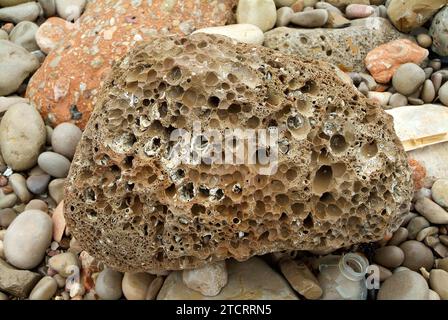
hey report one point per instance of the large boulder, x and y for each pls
(336, 173)
(65, 88)
(439, 32)
(346, 48)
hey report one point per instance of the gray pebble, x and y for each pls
(38, 184)
(284, 16)
(7, 216)
(18, 184)
(415, 225)
(428, 93)
(54, 164)
(431, 211)
(417, 255)
(65, 138)
(7, 200)
(27, 238)
(399, 236)
(37, 204)
(4, 35)
(310, 19)
(108, 284)
(408, 78)
(44, 289)
(404, 285)
(436, 79)
(436, 64)
(398, 100)
(22, 12)
(49, 7)
(443, 93)
(24, 34)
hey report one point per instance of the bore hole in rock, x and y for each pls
(197, 209)
(322, 179)
(175, 74)
(369, 150)
(213, 101)
(309, 87)
(308, 222)
(338, 143)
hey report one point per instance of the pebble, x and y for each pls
(441, 250)
(2, 251)
(246, 33)
(310, 19)
(2, 234)
(16, 64)
(399, 237)
(408, 78)
(7, 216)
(398, 100)
(327, 6)
(49, 7)
(27, 238)
(301, 279)
(22, 12)
(417, 255)
(415, 101)
(415, 225)
(54, 164)
(45, 289)
(135, 285)
(443, 94)
(369, 80)
(431, 241)
(384, 272)
(363, 89)
(70, 10)
(389, 256)
(108, 284)
(208, 280)
(10, 3)
(60, 280)
(154, 288)
(17, 282)
(38, 184)
(444, 239)
(284, 15)
(424, 40)
(4, 35)
(261, 13)
(37, 204)
(429, 231)
(440, 192)
(428, 72)
(18, 184)
(8, 200)
(436, 64)
(438, 280)
(357, 11)
(439, 33)
(64, 263)
(404, 285)
(56, 190)
(65, 138)
(3, 296)
(382, 98)
(431, 211)
(24, 34)
(22, 135)
(433, 295)
(428, 92)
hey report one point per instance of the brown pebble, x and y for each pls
(389, 256)
(301, 279)
(399, 237)
(3, 181)
(417, 255)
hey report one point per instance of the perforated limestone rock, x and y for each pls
(342, 173)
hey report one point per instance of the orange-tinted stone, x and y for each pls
(383, 61)
(51, 32)
(65, 87)
(418, 173)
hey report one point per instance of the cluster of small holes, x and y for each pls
(138, 208)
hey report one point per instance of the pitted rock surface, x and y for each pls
(66, 86)
(346, 48)
(342, 173)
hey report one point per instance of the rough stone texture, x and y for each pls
(343, 176)
(439, 32)
(346, 48)
(249, 280)
(383, 61)
(410, 14)
(66, 86)
(16, 282)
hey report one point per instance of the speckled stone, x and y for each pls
(65, 87)
(321, 44)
